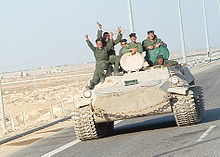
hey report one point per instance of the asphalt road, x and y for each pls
(147, 136)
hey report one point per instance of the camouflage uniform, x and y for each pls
(101, 56)
(113, 59)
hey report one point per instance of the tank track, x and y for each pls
(189, 109)
(85, 126)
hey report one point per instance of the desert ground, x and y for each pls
(28, 99)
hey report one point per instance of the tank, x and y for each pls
(141, 91)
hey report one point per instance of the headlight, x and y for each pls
(174, 80)
(87, 94)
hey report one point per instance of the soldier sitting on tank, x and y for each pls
(154, 46)
(101, 56)
(113, 58)
(123, 43)
(152, 41)
(134, 46)
(167, 63)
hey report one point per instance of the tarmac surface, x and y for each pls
(157, 136)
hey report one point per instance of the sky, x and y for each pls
(43, 33)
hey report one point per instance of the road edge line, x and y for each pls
(206, 133)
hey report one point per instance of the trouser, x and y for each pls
(151, 55)
(99, 72)
(115, 60)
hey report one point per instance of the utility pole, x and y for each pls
(219, 5)
(130, 15)
(181, 32)
(2, 109)
(206, 30)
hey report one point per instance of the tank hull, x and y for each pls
(115, 100)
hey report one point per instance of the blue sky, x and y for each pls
(35, 33)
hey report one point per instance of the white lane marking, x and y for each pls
(118, 121)
(51, 153)
(206, 133)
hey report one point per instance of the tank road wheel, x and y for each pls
(85, 126)
(189, 109)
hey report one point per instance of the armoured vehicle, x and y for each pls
(141, 91)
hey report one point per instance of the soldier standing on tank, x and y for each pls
(152, 41)
(133, 46)
(113, 58)
(101, 56)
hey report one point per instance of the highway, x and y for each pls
(147, 136)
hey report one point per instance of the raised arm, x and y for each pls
(119, 36)
(91, 46)
(99, 33)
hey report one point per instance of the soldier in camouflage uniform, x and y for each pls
(101, 56)
(162, 61)
(113, 58)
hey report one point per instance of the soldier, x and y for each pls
(101, 56)
(133, 46)
(154, 47)
(113, 59)
(121, 52)
(167, 63)
(152, 41)
(123, 43)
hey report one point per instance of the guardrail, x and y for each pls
(199, 59)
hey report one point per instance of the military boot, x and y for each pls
(90, 86)
(102, 79)
(117, 73)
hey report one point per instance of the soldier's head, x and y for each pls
(160, 60)
(133, 37)
(151, 35)
(123, 42)
(106, 36)
(99, 43)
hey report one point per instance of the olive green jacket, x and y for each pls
(122, 51)
(101, 54)
(115, 42)
(133, 45)
(147, 42)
